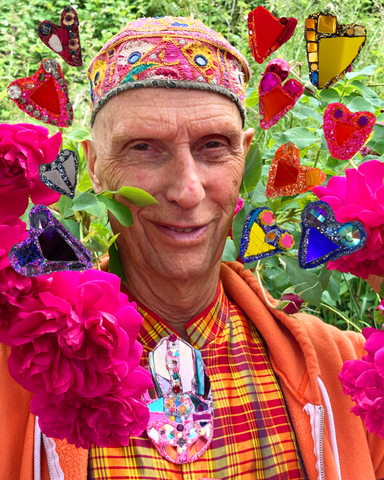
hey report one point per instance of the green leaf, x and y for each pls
(25, 216)
(369, 94)
(360, 104)
(72, 226)
(330, 95)
(380, 118)
(302, 137)
(369, 70)
(120, 211)
(114, 262)
(324, 277)
(230, 252)
(79, 135)
(252, 100)
(237, 227)
(85, 183)
(302, 111)
(84, 200)
(377, 141)
(65, 206)
(138, 197)
(257, 196)
(253, 166)
(310, 286)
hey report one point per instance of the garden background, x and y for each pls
(340, 299)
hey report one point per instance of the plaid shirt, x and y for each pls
(253, 438)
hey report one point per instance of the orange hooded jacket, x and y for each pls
(307, 356)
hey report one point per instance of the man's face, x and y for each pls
(187, 149)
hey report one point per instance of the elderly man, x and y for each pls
(168, 117)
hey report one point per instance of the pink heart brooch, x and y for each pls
(275, 99)
(44, 95)
(63, 39)
(346, 132)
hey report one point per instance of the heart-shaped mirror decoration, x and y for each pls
(61, 174)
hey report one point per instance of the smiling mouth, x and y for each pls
(182, 230)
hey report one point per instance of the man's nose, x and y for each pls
(185, 185)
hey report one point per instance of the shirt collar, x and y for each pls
(202, 329)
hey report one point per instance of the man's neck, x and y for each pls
(175, 301)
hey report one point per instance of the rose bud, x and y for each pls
(294, 305)
(309, 90)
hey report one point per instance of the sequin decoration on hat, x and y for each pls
(346, 132)
(61, 174)
(275, 100)
(331, 48)
(181, 417)
(63, 39)
(324, 239)
(287, 176)
(49, 247)
(267, 33)
(261, 237)
(44, 95)
(168, 52)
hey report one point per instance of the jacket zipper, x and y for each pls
(322, 443)
(316, 415)
(46, 454)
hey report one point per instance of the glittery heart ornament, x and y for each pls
(346, 132)
(275, 100)
(44, 95)
(63, 39)
(261, 237)
(267, 33)
(286, 175)
(61, 174)
(324, 239)
(181, 417)
(331, 48)
(49, 247)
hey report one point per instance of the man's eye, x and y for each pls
(213, 144)
(141, 146)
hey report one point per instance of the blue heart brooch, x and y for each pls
(324, 239)
(261, 237)
(48, 248)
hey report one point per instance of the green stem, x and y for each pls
(345, 87)
(258, 268)
(352, 297)
(316, 159)
(352, 163)
(81, 231)
(340, 315)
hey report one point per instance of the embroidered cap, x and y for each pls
(171, 52)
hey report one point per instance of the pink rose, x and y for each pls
(278, 66)
(359, 196)
(23, 147)
(239, 206)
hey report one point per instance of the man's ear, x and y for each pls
(90, 150)
(247, 139)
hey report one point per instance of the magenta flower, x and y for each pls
(239, 206)
(278, 66)
(294, 305)
(359, 196)
(363, 380)
(23, 147)
(74, 343)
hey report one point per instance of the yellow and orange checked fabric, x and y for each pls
(253, 438)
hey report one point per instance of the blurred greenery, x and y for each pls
(341, 299)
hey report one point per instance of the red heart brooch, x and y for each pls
(346, 132)
(286, 175)
(275, 100)
(44, 95)
(267, 33)
(63, 39)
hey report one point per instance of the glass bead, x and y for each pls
(50, 65)
(14, 92)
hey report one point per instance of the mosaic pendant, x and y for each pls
(261, 237)
(181, 411)
(287, 176)
(346, 132)
(63, 39)
(331, 48)
(267, 33)
(48, 248)
(61, 174)
(44, 95)
(324, 239)
(275, 99)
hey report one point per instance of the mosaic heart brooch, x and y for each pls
(267, 33)
(324, 239)
(49, 247)
(181, 412)
(44, 95)
(61, 174)
(346, 132)
(261, 237)
(63, 39)
(331, 48)
(275, 100)
(287, 176)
